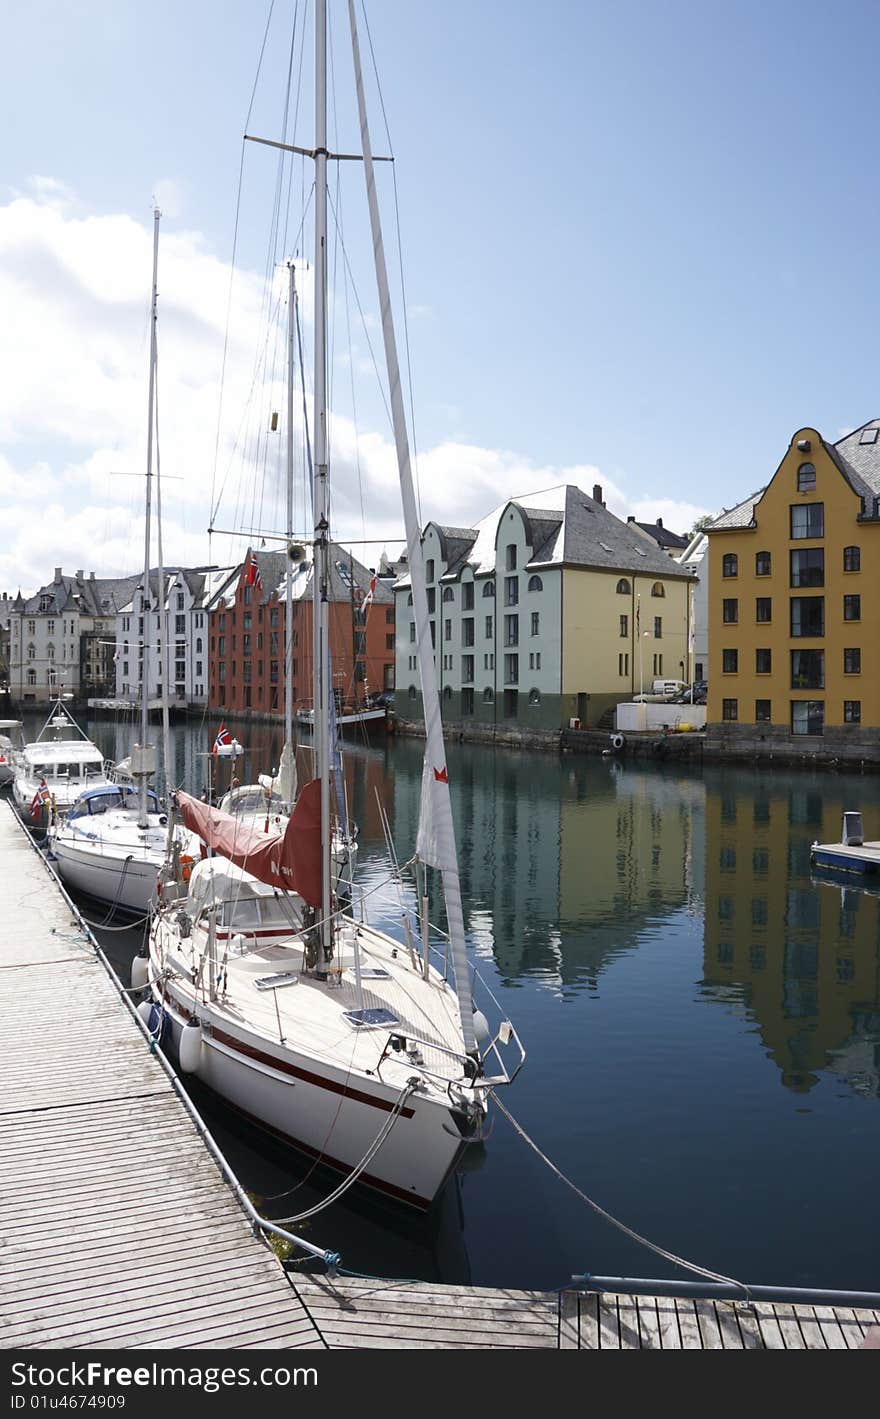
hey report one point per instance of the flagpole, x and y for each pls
(639, 635)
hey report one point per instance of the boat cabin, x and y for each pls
(62, 759)
(244, 904)
(96, 801)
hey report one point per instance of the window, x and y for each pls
(511, 669)
(412, 631)
(763, 608)
(535, 583)
(852, 661)
(511, 704)
(730, 611)
(467, 701)
(180, 625)
(467, 668)
(852, 711)
(467, 596)
(389, 615)
(658, 664)
(624, 627)
(536, 623)
(808, 567)
(412, 692)
(807, 520)
(511, 591)
(623, 587)
(808, 669)
(852, 559)
(730, 564)
(658, 628)
(32, 677)
(273, 616)
(534, 697)
(762, 564)
(510, 557)
(447, 692)
(807, 717)
(806, 478)
(432, 600)
(488, 696)
(467, 631)
(729, 709)
(31, 652)
(389, 642)
(429, 569)
(762, 711)
(763, 662)
(807, 616)
(489, 588)
(623, 663)
(511, 630)
(488, 628)
(447, 630)
(730, 662)
(448, 594)
(658, 589)
(852, 608)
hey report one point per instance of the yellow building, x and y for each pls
(794, 605)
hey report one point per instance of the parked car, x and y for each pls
(384, 700)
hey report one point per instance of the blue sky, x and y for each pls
(638, 241)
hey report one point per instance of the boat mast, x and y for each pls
(140, 759)
(320, 571)
(437, 844)
(287, 770)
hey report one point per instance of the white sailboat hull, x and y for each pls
(315, 1107)
(124, 879)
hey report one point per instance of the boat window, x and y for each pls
(274, 914)
(93, 770)
(245, 913)
(255, 803)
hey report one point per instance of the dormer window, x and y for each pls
(46, 603)
(806, 478)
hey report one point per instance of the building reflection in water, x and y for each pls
(798, 953)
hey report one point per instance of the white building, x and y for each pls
(695, 560)
(187, 593)
(62, 638)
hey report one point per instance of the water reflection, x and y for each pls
(799, 953)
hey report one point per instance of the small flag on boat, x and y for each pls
(369, 596)
(40, 798)
(441, 775)
(252, 576)
(223, 740)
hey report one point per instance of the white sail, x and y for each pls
(436, 839)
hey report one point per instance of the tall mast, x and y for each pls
(436, 841)
(320, 573)
(164, 619)
(287, 771)
(145, 640)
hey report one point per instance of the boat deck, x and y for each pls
(854, 859)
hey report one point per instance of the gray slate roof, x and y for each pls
(662, 536)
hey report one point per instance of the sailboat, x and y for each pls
(365, 1051)
(115, 838)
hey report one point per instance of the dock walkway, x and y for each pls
(118, 1229)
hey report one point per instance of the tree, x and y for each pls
(701, 524)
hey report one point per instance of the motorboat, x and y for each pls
(53, 770)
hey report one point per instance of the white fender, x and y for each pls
(189, 1050)
(140, 972)
(481, 1027)
(143, 1011)
(617, 741)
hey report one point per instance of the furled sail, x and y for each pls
(291, 861)
(436, 839)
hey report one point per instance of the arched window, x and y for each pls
(488, 695)
(32, 677)
(730, 564)
(198, 645)
(448, 594)
(806, 478)
(623, 587)
(535, 583)
(412, 692)
(658, 589)
(489, 588)
(762, 563)
(534, 697)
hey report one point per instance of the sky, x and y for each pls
(637, 249)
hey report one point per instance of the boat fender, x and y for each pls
(617, 741)
(186, 864)
(189, 1049)
(144, 1009)
(140, 972)
(481, 1027)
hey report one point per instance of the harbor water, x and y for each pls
(701, 1018)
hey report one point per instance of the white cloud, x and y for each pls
(169, 196)
(74, 346)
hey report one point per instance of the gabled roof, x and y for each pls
(743, 515)
(662, 536)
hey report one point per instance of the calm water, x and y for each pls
(702, 1020)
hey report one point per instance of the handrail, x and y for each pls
(795, 1295)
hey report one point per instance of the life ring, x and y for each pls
(617, 741)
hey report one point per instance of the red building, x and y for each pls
(246, 635)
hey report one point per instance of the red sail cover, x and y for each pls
(292, 861)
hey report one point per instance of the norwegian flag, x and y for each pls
(369, 596)
(40, 798)
(252, 576)
(223, 740)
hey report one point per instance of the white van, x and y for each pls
(660, 692)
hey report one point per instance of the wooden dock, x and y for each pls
(118, 1229)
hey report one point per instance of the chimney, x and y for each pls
(659, 521)
(597, 493)
(78, 574)
(91, 576)
(57, 575)
(631, 517)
